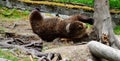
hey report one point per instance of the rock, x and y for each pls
(73, 53)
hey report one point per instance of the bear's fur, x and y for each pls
(50, 28)
(82, 18)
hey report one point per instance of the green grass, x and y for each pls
(8, 55)
(12, 14)
(113, 3)
(117, 30)
(87, 2)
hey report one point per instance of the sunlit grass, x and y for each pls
(113, 3)
(86, 2)
(117, 30)
(13, 14)
(8, 55)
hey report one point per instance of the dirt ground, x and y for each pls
(16, 26)
(23, 27)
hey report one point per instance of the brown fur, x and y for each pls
(82, 18)
(51, 28)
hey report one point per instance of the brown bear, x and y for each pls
(50, 28)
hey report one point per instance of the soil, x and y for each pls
(17, 26)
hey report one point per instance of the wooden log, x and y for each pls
(104, 51)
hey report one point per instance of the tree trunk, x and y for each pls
(104, 51)
(103, 23)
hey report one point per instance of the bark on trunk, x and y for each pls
(103, 23)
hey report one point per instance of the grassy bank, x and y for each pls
(113, 3)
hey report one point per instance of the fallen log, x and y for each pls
(103, 51)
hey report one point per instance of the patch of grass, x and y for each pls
(13, 14)
(8, 55)
(117, 30)
(87, 2)
(113, 3)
